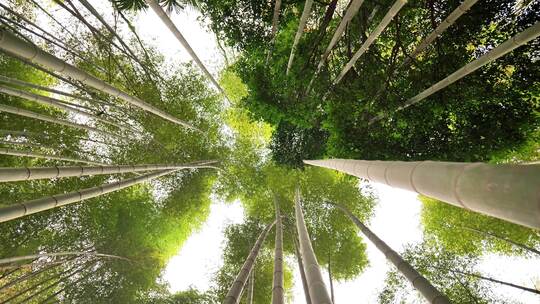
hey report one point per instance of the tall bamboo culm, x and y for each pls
(317, 289)
(233, 296)
(301, 25)
(31, 52)
(6, 151)
(371, 38)
(277, 285)
(17, 210)
(428, 291)
(32, 173)
(508, 192)
(499, 51)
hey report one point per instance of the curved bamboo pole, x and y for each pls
(317, 288)
(372, 37)
(277, 285)
(233, 296)
(275, 23)
(33, 173)
(58, 104)
(13, 44)
(428, 291)
(352, 10)
(170, 25)
(61, 253)
(301, 25)
(501, 50)
(17, 210)
(508, 192)
(6, 151)
(30, 114)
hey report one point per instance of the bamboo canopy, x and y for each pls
(277, 285)
(371, 38)
(170, 25)
(33, 173)
(508, 192)
(499, 51)
(18, 210)
(317, 289)
(31, 52)
(6, 151)
(301, 25)
(233, 296)
(428, 291)
(47, 118)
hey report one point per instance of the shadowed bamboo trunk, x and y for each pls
(508, 192)
(32, 173)
(251, 286)
(302, 271)
(6, 151)
(275, 24)
(371, 38)
(60, 105)
(56, 120)
(316, 286)
(301, 25)
(499, 51)
(428, 291)
(168, 22)
(352, 10)
(233, 296)
(277, 286)
(13, 44)
(17, 210)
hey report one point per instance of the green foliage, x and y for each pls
(470, 233)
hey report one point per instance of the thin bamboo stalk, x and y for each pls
(275, 23)
(302, 271)
(33, 173)
(233, 296)
(174, 30)
(13, 44)
(508, 191)
(352, 10)
(251, 286)
(371, 38)
(6, 151)
(428, 291)
(59, 104)
(17, 210)
(30, 114)
(317, 289)
(301, 25)
(277, 285)
(61, 253)
(499, 51)
(27, 134)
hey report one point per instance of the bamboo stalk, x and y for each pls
(233, 296)
(508, 192)
(13, 44)
(174, 30)
(30, 114)
(277, 283)
(6, 151)
(59, 104)
(33, 173)
(352, 10)
(317, 289)
(302, 270)
(17, 210)
(428, 291)
(60, 253)
(275, 23)
(371, 38)
(301, 25)
(499, 51)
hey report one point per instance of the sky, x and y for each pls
(396, 218)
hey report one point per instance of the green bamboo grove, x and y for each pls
(312, 110)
